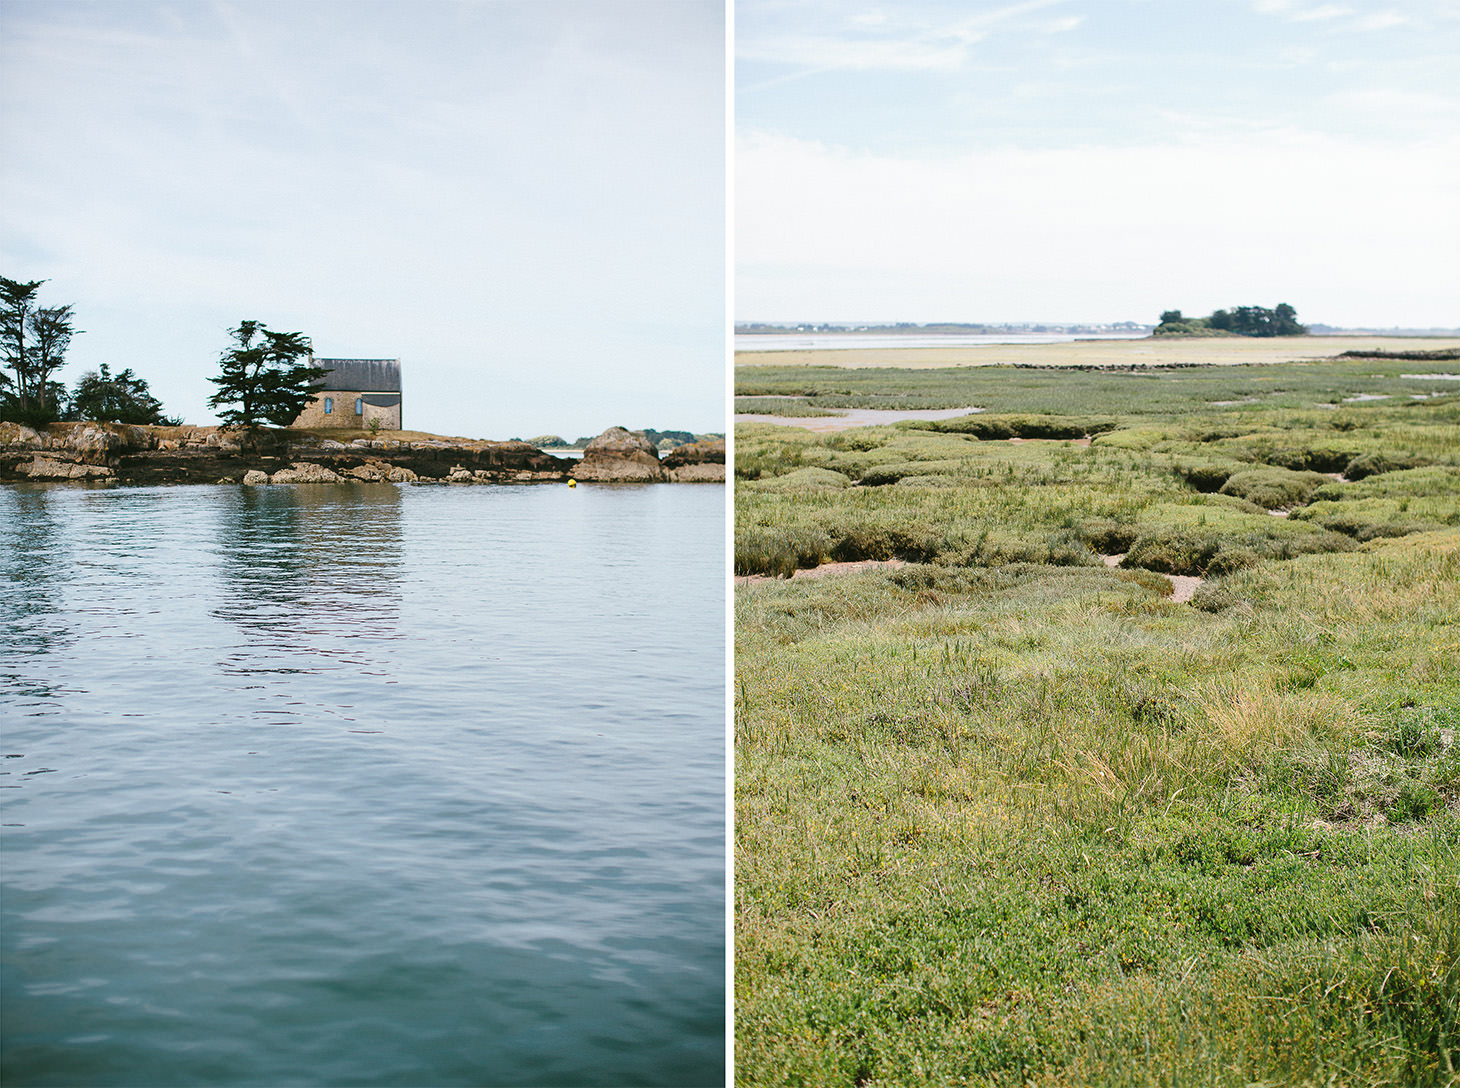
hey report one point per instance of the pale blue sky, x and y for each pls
(1097, 160)
(524, 201)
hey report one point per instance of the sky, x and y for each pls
(1097, 160)
(522, 200)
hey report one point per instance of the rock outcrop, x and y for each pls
(101, 453)
(49, 468)
(698, 462)
(305, 472)
(110, 452)
(372, 472)
(621, 456)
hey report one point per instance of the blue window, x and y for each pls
(359, 406)
(329, 405)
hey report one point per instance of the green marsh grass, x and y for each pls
(1011, 816)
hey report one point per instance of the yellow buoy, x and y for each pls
(572, 483)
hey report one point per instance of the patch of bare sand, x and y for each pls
(1183, 586)
(823, 570)
(1153, 351)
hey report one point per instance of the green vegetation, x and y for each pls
(1008, 815)
(778, 406)
(1238, 321)
(34, 340)
(265, 378)
(1157, 391)
(103, 397)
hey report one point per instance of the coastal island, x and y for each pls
(118, 453)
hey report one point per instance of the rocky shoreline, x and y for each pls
(114, 453)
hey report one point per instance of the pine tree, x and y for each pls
(266, 376)
(103, 397)
(33, 341)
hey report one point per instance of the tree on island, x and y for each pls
(33, 340)
(266, 375)
(103, 397)
(1240, 320)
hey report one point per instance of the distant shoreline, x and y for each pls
(1145, 352)
(114, 453)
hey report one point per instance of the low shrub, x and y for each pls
(1305, 458)
(804, 479)
(779, 550)
(1133, 438)
(1204, 476)
(993, 427)
(1173, 552)
(915, 542)
(1362, 529)
(1106, 536)
(1272, 488)
(1184, 551)
(882, 475)
(859, 439)
(1373, 464)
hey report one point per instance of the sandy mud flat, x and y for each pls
(1164, 351)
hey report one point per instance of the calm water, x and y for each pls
(362, 785)
(848, 341)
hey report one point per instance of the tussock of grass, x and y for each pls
(1272, 488)
(1372, 464)
(803, 479)
(993, 427)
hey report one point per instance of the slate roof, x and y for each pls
(361, 375)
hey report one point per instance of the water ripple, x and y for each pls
(362, 785)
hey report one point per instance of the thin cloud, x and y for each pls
(944, 51)
(1320, 13)
(1087, 233)
(941, 48)
(1382, 20)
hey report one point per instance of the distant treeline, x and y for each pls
(1282, 320)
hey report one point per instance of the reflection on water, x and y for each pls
(297, 561)
(35, 564)
(364, 785)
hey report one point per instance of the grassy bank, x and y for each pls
(1008, 815)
